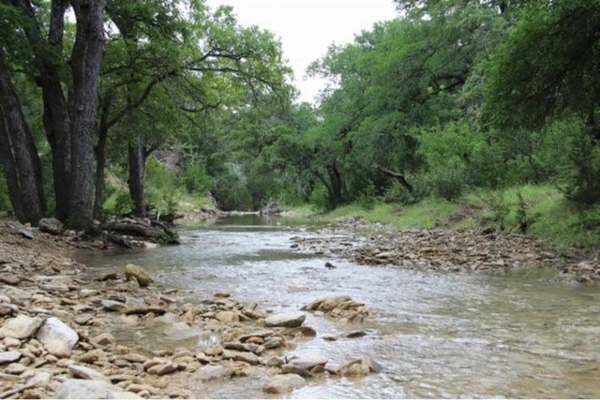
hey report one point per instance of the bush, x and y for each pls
(398, 194)
(448, 181)
(580, 172)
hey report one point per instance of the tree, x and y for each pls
(548, 66)
(69, 122)
(20, 159)
(179, 65)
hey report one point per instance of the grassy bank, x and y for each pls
(540, 211)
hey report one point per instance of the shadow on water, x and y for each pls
(435, 335)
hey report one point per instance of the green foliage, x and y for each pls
(580, 168)
(366, 199)
(548, 65)
(523, 215)
(499, 207)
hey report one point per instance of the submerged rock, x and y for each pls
(285, 383)
(139, 274)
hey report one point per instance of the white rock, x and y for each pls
(82, 389)
(79, 371)
(20, 327)
(309, 362)
(58, 338)
(287, 320)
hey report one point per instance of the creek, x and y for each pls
(434, 334)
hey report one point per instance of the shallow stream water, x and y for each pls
(434, 334)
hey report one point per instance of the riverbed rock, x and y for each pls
(10, 279)
(286, 320)
(284, 383)
(212, 373)
(16, 295)
(112, 305)
(7, 357)
(327, 304)
(57, 337)
(20, 327)
(308, 362)
(141, 276)
(356, 368)
(83, 389)
(79, 371)
(243, 356)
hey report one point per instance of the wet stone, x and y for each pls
(286, 320)
(283, 383)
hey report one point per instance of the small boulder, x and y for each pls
(212, 373)
(308, 362)
(82, 389)
(285, 383)
(7, 357)
(20, 327)
(79, 371)
(286, 320)
(140, 275)
(51, 226)
(57, 337)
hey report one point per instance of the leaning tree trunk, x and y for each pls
(22, 148)
(137, 161)
(85, 66)
(338, 182)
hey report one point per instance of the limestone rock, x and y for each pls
(111, 305)
(212, 373)
(140, 275)
(244, 356)
(286, 320)
(20, 327)
(7, 357)
(104, 339)
(79, 371)
(309, 362)
(57, 337)
(82, 389)
(356, 368)
(285, 383)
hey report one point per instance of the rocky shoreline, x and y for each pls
(59, 332)
(446, 251)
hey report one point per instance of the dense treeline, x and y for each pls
(448, 97)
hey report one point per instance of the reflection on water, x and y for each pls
(435, 335)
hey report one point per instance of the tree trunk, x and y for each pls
(137, 161)
(22, 148)
(10, 171)
(100, 168)
(338, 183)
(85, 66)
(396, 175)
(56, 119)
